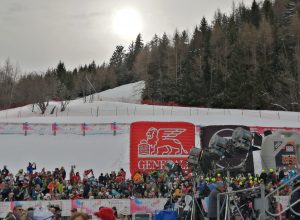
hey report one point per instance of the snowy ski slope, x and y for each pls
(104, 153)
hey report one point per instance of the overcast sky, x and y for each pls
(36, 34)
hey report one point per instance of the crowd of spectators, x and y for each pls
(56, 185)
(177, 185)
(270, 179)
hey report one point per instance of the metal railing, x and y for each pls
(290, 206)
(226, 201)
(264, 208)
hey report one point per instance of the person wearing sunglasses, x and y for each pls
(16, 214)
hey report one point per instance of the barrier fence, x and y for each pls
(100, 110)
(95, 128)
(90, 206)
(54, 129)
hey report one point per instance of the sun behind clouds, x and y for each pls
(127, 23)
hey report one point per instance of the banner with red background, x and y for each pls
(152, 144)
(261, 130)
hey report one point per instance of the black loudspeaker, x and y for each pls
(194, 156)
(267, 133)
(257, 139)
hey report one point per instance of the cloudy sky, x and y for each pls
(36, 34)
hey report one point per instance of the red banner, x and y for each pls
(152, 144)
(261, 130)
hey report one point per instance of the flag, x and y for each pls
(84, 127)
(55, 127)
(114, 127)
(26, 127)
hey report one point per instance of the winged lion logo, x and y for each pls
(162, 141)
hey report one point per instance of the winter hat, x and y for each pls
(125, 211)
(105, 214)
(42, 214)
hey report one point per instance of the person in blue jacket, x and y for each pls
(31, 167)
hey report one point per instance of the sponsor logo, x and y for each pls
(161, 142)
(153, 144)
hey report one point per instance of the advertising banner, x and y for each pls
(262, 130)
(90, 206)
(63, 129)
(146, 205)
(11, 128)
(226, 131)
(286, 157)
(152, 144)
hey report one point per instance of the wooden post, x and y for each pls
(114, 127)
(25, 127)
(54, 127)
(83, 129)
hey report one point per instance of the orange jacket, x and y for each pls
(137, 177)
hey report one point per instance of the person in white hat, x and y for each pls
(124, 213)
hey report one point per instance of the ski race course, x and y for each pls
(102, 151)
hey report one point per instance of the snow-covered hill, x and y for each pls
(106, 152)
(121, 104)
(125, 95)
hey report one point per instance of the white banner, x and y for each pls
(283, 200)
(50, 129)
(11, 128)
(90, 206)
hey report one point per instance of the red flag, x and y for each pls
(114, 127)
(55, 127)
(84, 127)
(26, 127)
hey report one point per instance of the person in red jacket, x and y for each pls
(105, 213)
(123, 173)
(75, 178)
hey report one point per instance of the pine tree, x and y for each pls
(267, 10)
(166, 82)
(116, 65)
(138, 44)
(255, 13)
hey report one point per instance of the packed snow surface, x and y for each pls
(106, 152)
